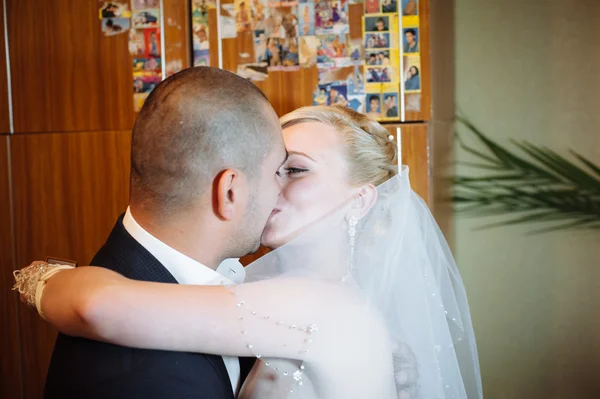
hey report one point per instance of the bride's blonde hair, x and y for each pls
(372, 156)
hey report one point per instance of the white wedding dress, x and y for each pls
(372, 311)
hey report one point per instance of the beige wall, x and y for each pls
(530, 69)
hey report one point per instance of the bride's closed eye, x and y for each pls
(295, 171)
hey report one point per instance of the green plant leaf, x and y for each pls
(537, 185)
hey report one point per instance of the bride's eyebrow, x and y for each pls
(301, 154)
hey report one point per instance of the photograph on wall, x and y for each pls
(281, 23)
(306, 19)
(280, 54)
(356, 51)
(357, 102)
(289, 54)
(201, 57)
(331, 17)
(377, 40)
(115, 26)
(144, 4)
(390, 105)
(335, 75)
(341, 86)
(138, 101)
(260, 46)
(378, 23)
(199, 10)
(332, 51)
(321, 95)
(389, 102)
(307, 49)
(378, 57)
(373, 104)
(114, 9)
(151, 42)
(412, 102)
(146, 18)
(228, 26)
(389, 6)
(259, 11)
(356, 82)
(174, 66)
(137, 43)
(147, 66)
(410, 8)
(200, 37)
(338, 95)
(412, 74)
(410, 40)
(243, 20)
(379, 74)
(145, 83)
(372, 7)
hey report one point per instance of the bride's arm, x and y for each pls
(265, 318)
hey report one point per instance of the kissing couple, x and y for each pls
(359, 297)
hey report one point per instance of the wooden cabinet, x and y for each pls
(64, 174)
(68, 190)
(4, 99)
(65, 74)
(415, 154)
(10, 359)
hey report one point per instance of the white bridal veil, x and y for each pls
(402, 266)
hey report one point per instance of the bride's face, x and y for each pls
(314, 181)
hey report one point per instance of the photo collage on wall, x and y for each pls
(411, 46)
(287, 35)
(382, 62)
(339, 57)
(361, 69)
(200, 31)
(372, 85)
(115, 17)
(145, 47)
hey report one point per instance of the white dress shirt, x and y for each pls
(188, 271)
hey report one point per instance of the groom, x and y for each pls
(206, 148)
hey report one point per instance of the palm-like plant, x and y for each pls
(536, 186)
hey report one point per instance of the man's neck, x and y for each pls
(182, 237)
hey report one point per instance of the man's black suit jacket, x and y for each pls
(86, 369)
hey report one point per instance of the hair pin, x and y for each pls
(391, 137)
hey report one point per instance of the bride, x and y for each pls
(360, 297)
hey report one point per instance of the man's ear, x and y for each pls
(230, 193)
(364, 201)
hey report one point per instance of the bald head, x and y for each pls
(192, 126)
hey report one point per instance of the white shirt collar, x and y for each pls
(185, 269)
(191, 272)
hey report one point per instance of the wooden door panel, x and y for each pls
(69, 189)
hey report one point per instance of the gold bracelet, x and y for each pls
(31, 281)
